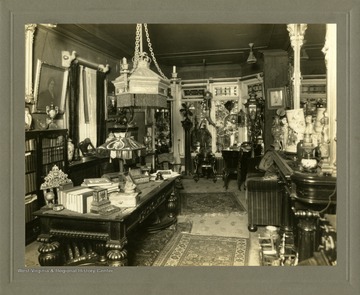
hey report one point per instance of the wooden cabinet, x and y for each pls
(43, 150)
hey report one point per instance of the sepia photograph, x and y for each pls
(185, 150)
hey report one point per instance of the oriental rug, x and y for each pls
(210, 203)
(144, 247)
(199, 250)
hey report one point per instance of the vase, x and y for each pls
(296, 121)
(28, 119)
(71, 148)
(318, 124)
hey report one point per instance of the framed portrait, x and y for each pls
(50, 87)
(276, 98)
(111, 107)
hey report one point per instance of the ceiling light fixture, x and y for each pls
(141, 87)
(251, 59)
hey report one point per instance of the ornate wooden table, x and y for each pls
(70, 238)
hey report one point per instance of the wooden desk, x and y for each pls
(70, 238)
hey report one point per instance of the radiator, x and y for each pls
(264, 200)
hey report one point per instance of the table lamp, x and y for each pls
(121, 147)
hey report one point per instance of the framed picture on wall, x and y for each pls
(276, 98)
(50, 86)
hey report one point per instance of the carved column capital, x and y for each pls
(296, 33)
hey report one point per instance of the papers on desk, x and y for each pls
(124, 200)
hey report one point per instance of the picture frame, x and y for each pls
(49, 76)
(111, 107)
(276, 98)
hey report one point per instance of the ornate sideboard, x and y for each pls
(307, 199)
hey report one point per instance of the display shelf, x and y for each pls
(43, 150)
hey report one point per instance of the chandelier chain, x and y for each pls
(137, 46)
(152, 52)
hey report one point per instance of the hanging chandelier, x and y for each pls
(141, 87)
(251, 58)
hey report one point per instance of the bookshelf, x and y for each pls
(43, 150)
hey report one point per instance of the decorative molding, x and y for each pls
(67, 58)
(29, 41)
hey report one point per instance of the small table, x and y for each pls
(232, 164)
(70, 238)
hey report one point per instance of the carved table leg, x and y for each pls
(117, 255)
(171, 205)
(100, 249)
(50, 252)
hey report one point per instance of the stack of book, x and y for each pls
(101, 183)
(76, 199)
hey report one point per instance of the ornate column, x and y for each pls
(187, 125)
(328, 165)
(29, 40)
(296, 33)
(177, 133)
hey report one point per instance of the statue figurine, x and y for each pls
(130, 186)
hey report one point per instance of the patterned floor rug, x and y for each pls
(198, 250)
(210, 203)
(226, 225)
(144, 247)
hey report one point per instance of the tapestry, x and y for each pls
(210, 203)
(198, 250)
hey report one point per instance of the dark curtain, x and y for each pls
(100, 107)
(74, 102)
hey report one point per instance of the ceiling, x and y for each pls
(186, 45)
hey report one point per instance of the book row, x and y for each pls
(52, 155)
(30, 206)
(52, 142)
(29, 145)
(30, 162)
(30, 182)
(76, 199)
